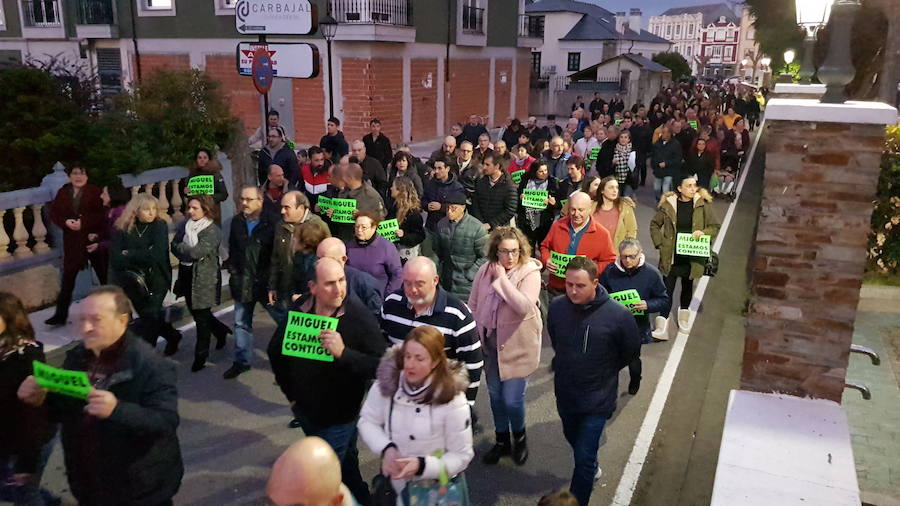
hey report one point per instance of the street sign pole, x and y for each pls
(265, 113)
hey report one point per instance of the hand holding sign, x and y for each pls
(31, 393)
(101, 403)
(630, 299)
(61, 381)
(535, 199)
(692, 244)
(333, 342)
(389, 230)
(305, 336)
(558, 263)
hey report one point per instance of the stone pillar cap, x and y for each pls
(851, 112)
(796, 89)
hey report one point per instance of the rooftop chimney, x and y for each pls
(620, 22)
(634, 20)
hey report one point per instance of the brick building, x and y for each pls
(418, 65)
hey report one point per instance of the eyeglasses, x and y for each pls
(249, 199)
(508, 252)
(631, 257)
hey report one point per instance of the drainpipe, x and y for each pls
(134, 41)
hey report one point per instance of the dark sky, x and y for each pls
(650, 7)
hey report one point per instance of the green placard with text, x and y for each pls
(388, 229)
(535, 198)
(628, 298)
(201, 185)
(687, 244)
(561, 260)
(301, 336)
(343, 210)
(517, 176)
(61, 381)
(323, 203)
(693, 124)
(595, 152)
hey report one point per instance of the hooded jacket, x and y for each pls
(591, 344)
(459, 252)
(649, 284)
(418, 429)
(664, 234)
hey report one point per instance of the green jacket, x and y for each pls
(662, 229)
(206, 278)
(144, 249)
(459, 253)
(281, 268)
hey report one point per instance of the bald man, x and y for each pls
(308, 473)
(326, 392)
(446, 153)
(359, 283)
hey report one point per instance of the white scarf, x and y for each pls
(191, 230)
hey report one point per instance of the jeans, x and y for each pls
(342, 439)
(583, 432)
(662, 185)
(507, 397)
(31, 494)
(243, 329)
(627, 190)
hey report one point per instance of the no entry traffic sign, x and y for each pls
(263, 73)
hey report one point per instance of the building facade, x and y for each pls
(685, 26)
(418, 65)
(719, 43)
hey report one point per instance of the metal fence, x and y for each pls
(96, 12)
(41, 13)
(380, 12)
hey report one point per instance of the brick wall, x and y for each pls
(502, 91)
(241, 94)
(310, 104)
(150, 63)
(467, 91)
(423, 98)
(523, 76)
(372, 89)
(810, 256)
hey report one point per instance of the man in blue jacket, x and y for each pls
(630, 272)
(593, 338)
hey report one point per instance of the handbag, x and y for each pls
(383, 493)
(134, 283)
(712, 264)
(441, 492)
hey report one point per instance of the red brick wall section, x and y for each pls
(523, 77)
(372, 89)
(150, 63)
(424, 97)
(810, 255)
(467, 91)
(502, 91)
(242, 96)
(310, 107)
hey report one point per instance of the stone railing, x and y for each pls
(24, 233)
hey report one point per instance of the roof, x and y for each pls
(596, 24)
(590, 73)
(711, 12)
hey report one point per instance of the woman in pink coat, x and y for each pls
(504, 302)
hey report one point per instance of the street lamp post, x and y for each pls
(328, 26)
(811, 15)
(786, 77)
(764, 62)
(837, 69)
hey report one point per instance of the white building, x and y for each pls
(577, 35)
(683, 26)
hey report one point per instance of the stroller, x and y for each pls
(724, 184)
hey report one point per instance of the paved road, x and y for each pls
(232, 431)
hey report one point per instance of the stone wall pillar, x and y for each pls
(822, 167)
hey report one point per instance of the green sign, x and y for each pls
(618, 122)
(628, 298)
(535, 199)
(201, 185)
(595, 152)
(563, 202)
(561, 260)
(686, 244)
(61, 381)
(693, 124)
(342, 209)
(517, 176)
(301, 336)
(388, 230)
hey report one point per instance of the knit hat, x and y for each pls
(456, 198)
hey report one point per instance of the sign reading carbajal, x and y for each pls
(201, 185)
(301, 336)
(61, 381)
(687, 244)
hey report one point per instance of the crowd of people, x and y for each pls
(497, 242)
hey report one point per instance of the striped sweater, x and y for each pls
(451, 317)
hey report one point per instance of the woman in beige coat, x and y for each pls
(504, 302)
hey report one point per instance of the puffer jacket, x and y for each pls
(668, 152)
(663, 232)
(459, 253)
(281, 267)
(206, 279)
(418, 430)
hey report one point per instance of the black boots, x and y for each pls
(634, 385)
(520, 448)
(517, 447)
(502, 447)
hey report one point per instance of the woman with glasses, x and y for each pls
(504, 303)
(370, 252)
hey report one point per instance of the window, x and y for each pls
(729, 52)
(574, 62)
(159, 4)
(225, 7)
(668, 30)
(41, 13)
(678, 30)
(690, 30)
(730, 35)
(536, 63)
(689, 48)
(717, 50)
(167, 7)
(109, 66)
(2, 19)
(720, 35)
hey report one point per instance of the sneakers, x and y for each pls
(661, 329)
(684, 320)
(235, 370)
(598, 474)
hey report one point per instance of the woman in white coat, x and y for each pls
(416, 415)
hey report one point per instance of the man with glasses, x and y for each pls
(249, 254)
(469, 168)
(631, 272)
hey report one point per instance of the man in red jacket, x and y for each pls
(78, 211)
(576, 234)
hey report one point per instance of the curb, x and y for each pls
(880, 292)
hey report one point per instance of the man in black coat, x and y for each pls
(279, 153)
(604, 163)
(378, 146)
(373, 171)
(473, 130)
(249, 254)
(333, 141)
(495, 199)
(326, 395)
(436, 190)
(120, 443)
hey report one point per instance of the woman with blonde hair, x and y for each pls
(417, 418)
(139, 263)
(504, 303)
(407, 209)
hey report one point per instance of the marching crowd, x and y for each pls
(430, 275)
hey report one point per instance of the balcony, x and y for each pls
(472, 20)
(531, 31)
(42, 19)
(374, 20)
(96, 20)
